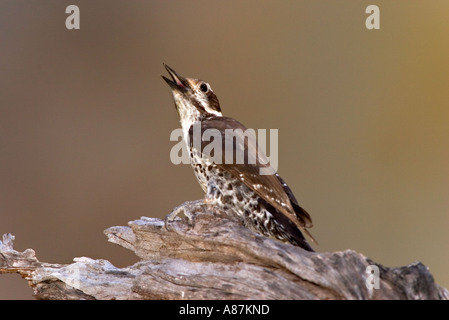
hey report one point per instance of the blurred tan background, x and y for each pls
(363, 118)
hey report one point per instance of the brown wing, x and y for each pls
(270, 187)
(300, 212)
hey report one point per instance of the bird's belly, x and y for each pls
(201, 167)
(229, 193)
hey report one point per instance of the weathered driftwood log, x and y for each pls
(215, 258)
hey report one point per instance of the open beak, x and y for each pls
(177, 82)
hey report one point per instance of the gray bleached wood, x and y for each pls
(215, 258)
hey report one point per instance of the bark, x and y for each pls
(215, 258)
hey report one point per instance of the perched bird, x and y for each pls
(264, 202)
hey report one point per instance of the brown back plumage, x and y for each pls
(272, 188)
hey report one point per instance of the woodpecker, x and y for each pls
(264, 202)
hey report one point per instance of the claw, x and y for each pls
(188, 208)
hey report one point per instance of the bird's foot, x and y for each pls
(189, 208)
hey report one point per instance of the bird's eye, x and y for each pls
(203, 87)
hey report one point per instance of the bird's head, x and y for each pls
(194, 99)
